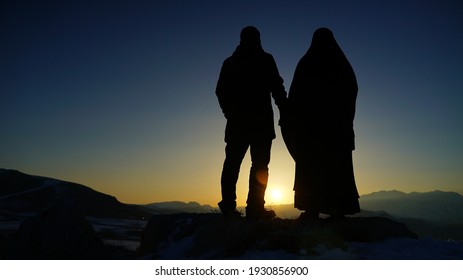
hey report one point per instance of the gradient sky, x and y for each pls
(120, 95)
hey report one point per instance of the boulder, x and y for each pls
(60, 232)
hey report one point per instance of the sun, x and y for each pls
(276, 196)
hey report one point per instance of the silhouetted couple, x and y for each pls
(316, 122)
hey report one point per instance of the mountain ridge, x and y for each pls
(434, 214)
(436, 206)
(20, 191)
(179, 207)
(24, 193)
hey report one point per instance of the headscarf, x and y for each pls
(325, 52)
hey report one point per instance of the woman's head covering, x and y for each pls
(324, 45)
(323, 36)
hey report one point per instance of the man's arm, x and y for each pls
(277, 87)
(222, 90)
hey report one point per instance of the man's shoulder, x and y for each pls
(262, 57)
(268, 56)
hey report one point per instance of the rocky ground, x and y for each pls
(63, 232)
(209, 236)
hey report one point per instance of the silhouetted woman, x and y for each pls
(321, 102)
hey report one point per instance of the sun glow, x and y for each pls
(276, 196)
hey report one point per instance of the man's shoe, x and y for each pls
(309, 215)
(260, 214)
(232, 214)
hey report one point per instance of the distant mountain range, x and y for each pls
(436, 206)
(23, 193)
(172, 207)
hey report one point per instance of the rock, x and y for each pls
(370, 229)
(162, 230)
(209, 236)
(60, 232)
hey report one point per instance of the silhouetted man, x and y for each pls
(248, 79)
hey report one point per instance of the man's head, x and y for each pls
(250, 37)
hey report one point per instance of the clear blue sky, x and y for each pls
(119, 95)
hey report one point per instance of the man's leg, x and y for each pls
(234, 154)
(258, 178)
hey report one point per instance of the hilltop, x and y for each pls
(23, 193)
(42, 218)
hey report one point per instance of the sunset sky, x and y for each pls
(120, 95)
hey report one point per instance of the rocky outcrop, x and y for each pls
(209, 236)
(60, 232)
